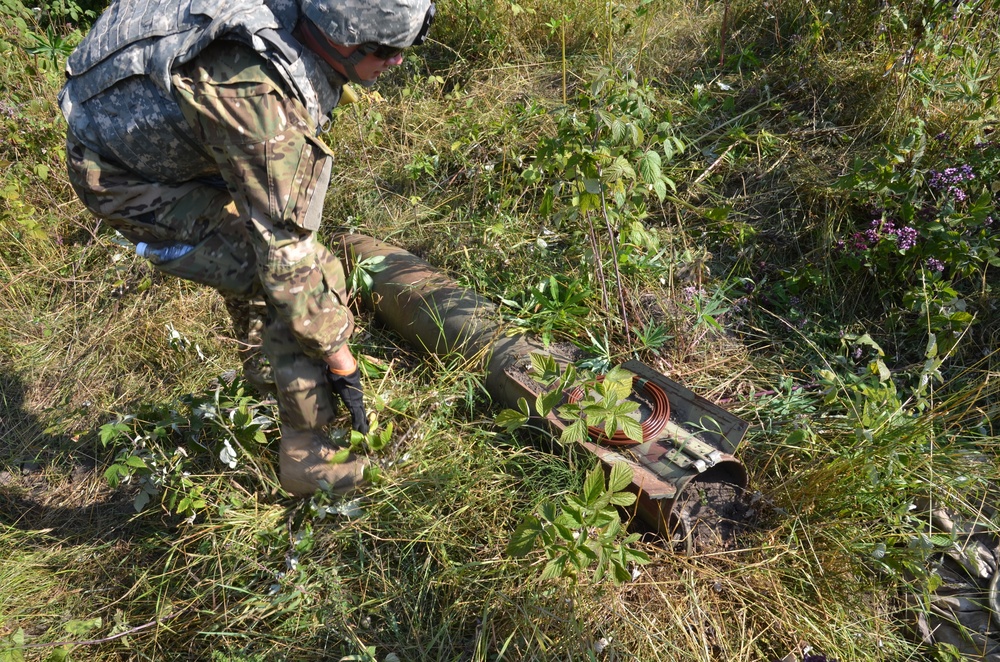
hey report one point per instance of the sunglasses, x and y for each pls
(384, 52)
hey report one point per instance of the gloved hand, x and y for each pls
(348, 387)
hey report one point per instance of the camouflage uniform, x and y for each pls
(248, 197)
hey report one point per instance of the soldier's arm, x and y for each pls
(278, 172)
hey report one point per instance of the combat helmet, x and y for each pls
(382, 27)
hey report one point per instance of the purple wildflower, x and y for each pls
(906, 237)
(957, 193)
(858, 242)
(935, 264)
(951, 177)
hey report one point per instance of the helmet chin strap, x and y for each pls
(317, 42)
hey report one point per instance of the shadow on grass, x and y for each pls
(48, 487)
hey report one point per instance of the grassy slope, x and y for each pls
(436, 166)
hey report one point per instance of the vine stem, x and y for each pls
(103, 640)
(614, 257)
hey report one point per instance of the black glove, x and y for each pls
(348, 387)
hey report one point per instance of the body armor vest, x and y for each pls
(117, 99)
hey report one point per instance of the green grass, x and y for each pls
(462, 158)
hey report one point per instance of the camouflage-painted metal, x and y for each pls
(432, 312)
(353, 22)
(252, 224)
(117, 99)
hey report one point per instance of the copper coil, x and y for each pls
(659, 415)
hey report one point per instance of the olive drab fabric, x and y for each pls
(225, 158)
(118, 96)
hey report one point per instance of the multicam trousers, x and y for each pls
(225, 256)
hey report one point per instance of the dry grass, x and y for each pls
(433, 164)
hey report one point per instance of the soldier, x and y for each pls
(193, 131)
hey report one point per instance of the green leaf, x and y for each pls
(601, 571)
(522, 541)
(510, 420)
(620, 169)
(649, 167)
(717, 213)
(81, 628)
(631, 427)
(620, 478)
(60, 654)
(555, 568)
(547, 511)
(618, 129)
(241, 417)
(522, 405)
(588, 201)
(545, 207)
(562, 530)
(608, 517)
(578, 559)
(545, 402)
(586, 551)
(878, 367)
(622, 499)
(135, 461)
(571, 518)
(660, 189)
(796, 438)
(340, 456)
(593, 486)
(544, 366)
(636, 556)
(576, 432)
(114, 474)
(619, 573)
(111, 431)
(12, 645)
(637, 133)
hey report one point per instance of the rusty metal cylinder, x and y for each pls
(432, 312)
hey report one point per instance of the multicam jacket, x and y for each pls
(117, 99)
(184, 92)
